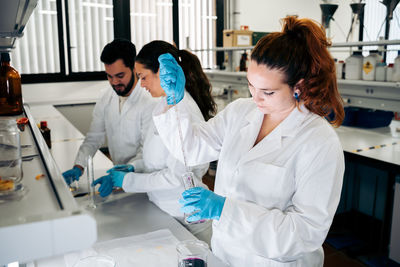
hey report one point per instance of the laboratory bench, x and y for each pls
(47, 226)
(372, 155)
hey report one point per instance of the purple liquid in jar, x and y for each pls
(192, 262)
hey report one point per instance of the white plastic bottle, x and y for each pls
(354, 66)
(396, 68)
(380, 73)
(369, 65)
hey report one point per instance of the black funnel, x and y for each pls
(357, 8)
(391, 6)
(327, 13)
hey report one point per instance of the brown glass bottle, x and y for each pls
(10, 88)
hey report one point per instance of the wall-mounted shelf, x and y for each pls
(230, 50)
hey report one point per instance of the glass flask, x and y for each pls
(192, 253)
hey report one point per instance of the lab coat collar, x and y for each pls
(288, 127)
(295, 121)
(133, 98)
(272, 142)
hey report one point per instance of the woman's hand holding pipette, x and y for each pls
(203, 203)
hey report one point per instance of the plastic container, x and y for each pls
(10, 88)
(396, 68)
(368, 118)
(380, 73)
(369, 65)
(339, 69)
(354, 66)
(389, 73)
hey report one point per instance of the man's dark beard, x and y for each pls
(127, 88)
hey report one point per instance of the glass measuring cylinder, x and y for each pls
(192, 253)
(90, 180)
(10, 151)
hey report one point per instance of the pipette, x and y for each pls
(188, 176)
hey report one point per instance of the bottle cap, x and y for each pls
(43, 124)
(5, 57)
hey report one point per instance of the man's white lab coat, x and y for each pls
(281, 194)
(124, 130)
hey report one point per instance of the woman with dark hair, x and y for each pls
(158, 173)
(197, 84)
(280, 162)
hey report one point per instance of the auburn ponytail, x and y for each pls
(300, 51)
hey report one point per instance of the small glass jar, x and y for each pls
(10, 152)
(192, 253)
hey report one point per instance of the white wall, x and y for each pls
(265, 15)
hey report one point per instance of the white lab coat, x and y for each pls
(124, 130)
(159, 174)
(281, 195)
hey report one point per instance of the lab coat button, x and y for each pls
(236, 172)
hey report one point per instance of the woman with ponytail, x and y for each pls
(280, 162)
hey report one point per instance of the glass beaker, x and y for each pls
(96, 261)
(10, 151)
(192, 253)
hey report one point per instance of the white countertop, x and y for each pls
(66, 140)
(63, 93)
(381, 144)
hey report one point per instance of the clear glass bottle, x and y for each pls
(10, 88)
(10, 152)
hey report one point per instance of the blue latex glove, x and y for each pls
(72, 175)
(117, 178)
(122, 168)
(172, 78)
(205, 203)
(106, 186)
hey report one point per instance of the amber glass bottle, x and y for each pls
(10, 88)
